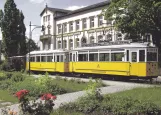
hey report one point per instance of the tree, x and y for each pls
(136, 18)
(13, 30)
(22, 37)
(33, 45)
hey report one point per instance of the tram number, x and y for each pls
(98, 66)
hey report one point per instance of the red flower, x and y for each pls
(21, 93)
(48, 96)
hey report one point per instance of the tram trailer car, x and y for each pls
(134, 60)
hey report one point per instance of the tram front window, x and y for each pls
(151, 56)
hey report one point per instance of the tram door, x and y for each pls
(66, 62)
(134, 64)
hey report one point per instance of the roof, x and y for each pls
(94, 6)
(48, 51)
(54, 10)
(123, 46)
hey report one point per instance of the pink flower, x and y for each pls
(20, 94)
(48, 96)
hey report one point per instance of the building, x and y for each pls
(76, 28)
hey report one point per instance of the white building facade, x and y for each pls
(76, 28)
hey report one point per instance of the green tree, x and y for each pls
(136, 18)
(33, 45)
(13, 30)
(22, 37)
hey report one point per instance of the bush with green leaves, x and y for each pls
(5, 84)
(17, 77)
(93, 103)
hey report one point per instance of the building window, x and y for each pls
(71, 43)
(65, 27)
(100, 20)
(100, 38)
(77, 25)
(91, 22)
(49, 31)
(59, 28)
(77, 42)
(91, 39)
(84, 23)
(71, 26)
(59, 44)
(48, 17)
(44, 19)
(65, 44)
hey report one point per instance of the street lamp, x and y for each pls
(30, 37)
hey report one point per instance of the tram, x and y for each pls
(123, 59)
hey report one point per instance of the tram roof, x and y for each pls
(48, 51)
(123, 46)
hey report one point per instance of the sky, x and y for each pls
(32, 9)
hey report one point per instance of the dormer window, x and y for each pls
(48, 17)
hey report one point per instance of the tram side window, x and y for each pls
(142, 55)
(117, 56)
(83, 57)
(93, 57)
(62, 58)
(104, 56)
(134, 56)
(73, 57)
(37, 58)
(43, 58)
(49, 58)
(32, 59)
(127, 55)
(151, 56)
(70, 57)
(57, 59)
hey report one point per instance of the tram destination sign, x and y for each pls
(106, 43)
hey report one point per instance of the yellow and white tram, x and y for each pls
(130, 60)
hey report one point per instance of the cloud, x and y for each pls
(37, 1)
(74, 7)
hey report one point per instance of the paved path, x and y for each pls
(71, 97)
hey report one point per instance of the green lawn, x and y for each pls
(5, 96)
(150, 94)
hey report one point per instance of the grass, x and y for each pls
(148, 94)
(5, 96)
(63, 112)
(70, 86)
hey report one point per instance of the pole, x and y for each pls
(62, 38)
(29, 46)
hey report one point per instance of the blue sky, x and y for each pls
(32, 9)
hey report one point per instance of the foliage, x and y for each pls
(94, 104)
(13, 30)
(33, 107)
(33, 45)
(18, 77)
(136, 17)
(5, 66)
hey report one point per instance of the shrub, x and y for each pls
(17, 77)
(5, 84)
(3, 76)
(5, 66)
(34, 107)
